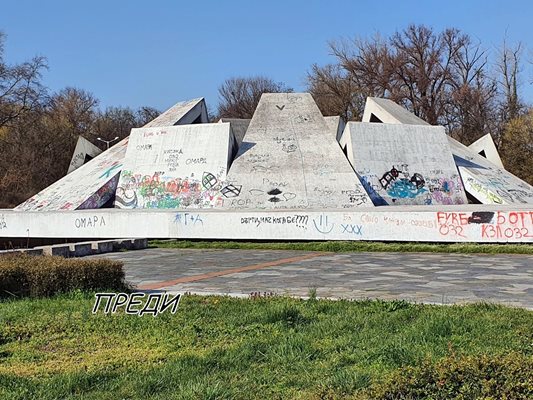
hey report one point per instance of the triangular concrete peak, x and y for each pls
(238, 127)
(486, 147)
(482, 180)
(289, 160)
(182, 113)
(94, 184)
(180, 166)
(388, 112)
(84, 152)
(403, 164)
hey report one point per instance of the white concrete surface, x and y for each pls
(403, 164)
(89, 186)
(83, 151)
(388, 112)
(94, 183)
(182, 113)
(238, 127)
(465, 223)
(485, 145)
(290, 160)
(180, 166)
(482, 179)
(335, 125)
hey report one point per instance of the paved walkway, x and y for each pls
(421, 277)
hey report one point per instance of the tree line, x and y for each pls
(445, 78)
(39, 129)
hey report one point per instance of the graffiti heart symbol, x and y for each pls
(289, 196)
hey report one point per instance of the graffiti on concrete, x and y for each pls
(161, 191)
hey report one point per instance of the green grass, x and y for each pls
(262, 348)
(353, 246)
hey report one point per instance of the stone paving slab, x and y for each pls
(421, 277)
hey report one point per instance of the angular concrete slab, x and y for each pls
(84, 152)
(289, 160)
(485, 147)
(238, 127)
(90, 186)
(484, 181)
(336, 126)
(403, 164)
(487, 183)
(175, 167)
(182, 113)
(94, 184)
(388, 112)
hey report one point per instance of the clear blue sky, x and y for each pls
(134, 53)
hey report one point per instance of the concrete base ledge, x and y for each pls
(465, 223)
(82, 249)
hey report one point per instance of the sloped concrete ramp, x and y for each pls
(94, 184)
(404, 164)
(180, 166)
(483, 180)
(290, 160)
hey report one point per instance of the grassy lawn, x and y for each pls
(228, 348)
(340, 246)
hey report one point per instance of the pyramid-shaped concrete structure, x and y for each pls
(84, 152)
(290, 160)
(94, 184)
(404, 164)
(180, 166)
(482, 180)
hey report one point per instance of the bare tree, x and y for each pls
(508, 66)
(239, 96)
(20, 86)
(335, 92)
(440, 76)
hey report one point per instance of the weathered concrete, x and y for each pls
(482, 180)
(238, 127)
(457, 223)
(80, 249)
(62, 250)
(485, 147)
(84, 152)
(336, 126)
(89, 186)
(290, 160)
(130, 244)
(182, 113)
(388, 112)
(29, 252)
(175, 167)
(93, 184)
(403, 164)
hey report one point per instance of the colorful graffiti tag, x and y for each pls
(160, 191)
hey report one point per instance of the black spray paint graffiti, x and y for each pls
(209, 180)
(406, 187)
(291, 148)
(231, 191)
(299, 220)
(481, 217)
(275, 195)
